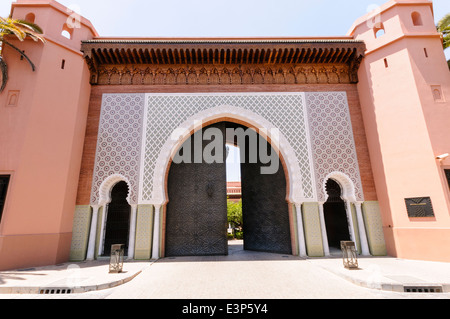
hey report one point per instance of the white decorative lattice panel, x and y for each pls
(332, 140)
(318, 130)
(119, 142)
(166, 112)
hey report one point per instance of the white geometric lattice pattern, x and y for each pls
(119, 141)
(332, 139)
(166, 112)
(319, 130)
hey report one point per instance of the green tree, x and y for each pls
(21, 30)
(443, 28)
(234, 213)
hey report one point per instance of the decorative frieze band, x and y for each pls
(222, 74)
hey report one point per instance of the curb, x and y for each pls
(59, 290)
(392, 286)
(66, 290)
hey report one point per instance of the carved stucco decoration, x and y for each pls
(223, 75)
(223, 61)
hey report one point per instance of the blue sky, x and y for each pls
(233, 164)
(225, 18)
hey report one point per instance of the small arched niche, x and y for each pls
(416, 19)
(30, 17)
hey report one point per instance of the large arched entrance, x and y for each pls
(196, 220)
(117, 219)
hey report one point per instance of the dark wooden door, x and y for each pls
(265, 210)
(196, 216)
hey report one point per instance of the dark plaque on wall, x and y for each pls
(419, 207)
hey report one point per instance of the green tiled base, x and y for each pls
(374, 228)
(313, 232)
(144, 226)
(80, 232)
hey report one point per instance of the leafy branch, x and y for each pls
(21, 29)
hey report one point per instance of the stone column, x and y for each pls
(101, 241)
(362, 230)
(132, 237)
(350, 221)
(301, 232)
(326, 247)
(93, 233)
(156, 236)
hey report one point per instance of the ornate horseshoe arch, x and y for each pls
(347, 186)
(233, 114)
(108, 184)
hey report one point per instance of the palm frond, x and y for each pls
(21, 29)
(444, 24)
(32, 26)
(12, 29)
(21, 53)
(443, 27)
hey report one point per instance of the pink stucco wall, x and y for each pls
(406, 127)
(41, 139)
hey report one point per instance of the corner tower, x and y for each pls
(42, 126)
(404, 91)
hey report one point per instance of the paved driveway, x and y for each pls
(240, 275)
(243, 275)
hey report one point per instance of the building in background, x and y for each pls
(358, 123)
(234, 191)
